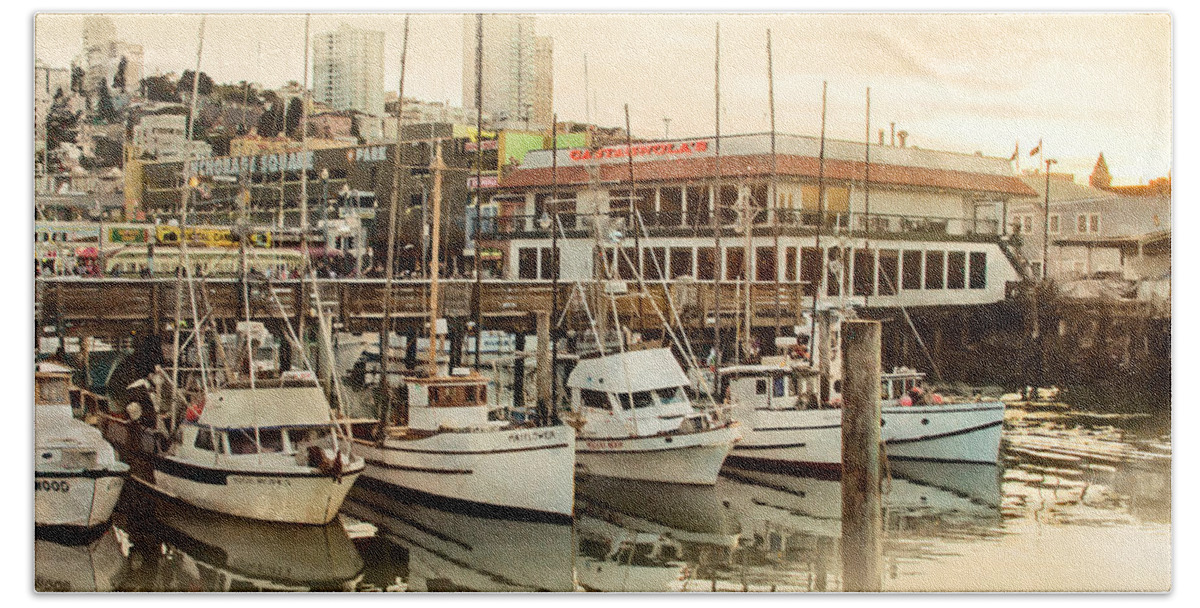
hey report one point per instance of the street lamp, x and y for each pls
(1046, 223)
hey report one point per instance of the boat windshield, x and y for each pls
(671, 396)
(641, 399)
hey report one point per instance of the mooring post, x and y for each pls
(862, 515)
(545, 373)
(518, 384)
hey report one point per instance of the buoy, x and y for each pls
(937, 399)
(194, 410)
(906, 401)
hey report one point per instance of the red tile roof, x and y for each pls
(734, 167)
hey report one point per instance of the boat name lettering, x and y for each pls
(605, 445)
(262, 481)
(46, 485)
(531, 436)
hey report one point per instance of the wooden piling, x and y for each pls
(518, 396)
(862, 515)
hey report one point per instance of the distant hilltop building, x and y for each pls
(348, 69)
(517, 70)
(103, 54)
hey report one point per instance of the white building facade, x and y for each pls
(517, 70)
(164, 137)
(348, 69)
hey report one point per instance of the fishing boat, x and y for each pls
(77, 477)
(789, 423)
(638, 422)
(444, 444)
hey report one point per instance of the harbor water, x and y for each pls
(1081, 501)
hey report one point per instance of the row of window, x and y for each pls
(1085, 223)
(864, 271)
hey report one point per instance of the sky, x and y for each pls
(1080, 83)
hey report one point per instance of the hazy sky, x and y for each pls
(1084, 83)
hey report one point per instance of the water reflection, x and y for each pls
(448, 551)
(1069, 483)
(641, 536)
(176, 547)
(81, 563)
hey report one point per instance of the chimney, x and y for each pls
(903, 135)
(881, 137)
(893, 135)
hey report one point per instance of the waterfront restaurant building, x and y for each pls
(929, 230)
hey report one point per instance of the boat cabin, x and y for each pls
(457, 401)
(635, 393)
(772, 386)
(899, 382)
(52, 385)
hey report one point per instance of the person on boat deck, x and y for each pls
(917, 395)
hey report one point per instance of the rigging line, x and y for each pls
(624, 360)
(917, 334)
(822, 279)
(670, 299)
(291, 333)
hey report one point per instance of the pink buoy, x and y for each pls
(906, 401)
(937, 399)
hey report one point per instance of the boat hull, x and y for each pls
(517, 473)
(693, 458)
(299, 498)
(812, 439)
(75, 500)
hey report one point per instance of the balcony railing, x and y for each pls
(761, 220)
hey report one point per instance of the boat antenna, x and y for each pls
(385, 339)
(716, 212)
(478, 304)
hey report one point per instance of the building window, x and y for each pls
(935, 262)
(864, 272)
(912, 270)
(810, 270)
(789, 264)
(1054, 223)
(527, 262)
(654, 263)
(889, 271)
(706, 263)
(956, 270)
(1087, 223)
(833, 281)
(681, 263)
(626, 264)
(978, 270)
(735, 260)
(548, 261)
(764, 264)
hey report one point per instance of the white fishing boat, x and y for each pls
(637, 421)
(263, 448)
(445, 445)
(788, 424)
(77, 477)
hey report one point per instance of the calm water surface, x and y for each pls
(1082, 502)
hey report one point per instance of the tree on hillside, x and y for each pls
(292, 123)
(185, 83)
(119, 77)
(269, 122)
(160, 88)
(77, 79)
(104, 105)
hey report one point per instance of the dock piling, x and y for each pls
(862, 515)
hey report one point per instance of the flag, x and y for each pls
(1016, 151)
(1036, 149)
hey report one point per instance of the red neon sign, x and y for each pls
(662, 149)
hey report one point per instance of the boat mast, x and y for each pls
(185, 261)
(716, 211)
(386, 329)
(812, 326)
(867, 192)
(435, 253)
(478, 185)
(774, 196)
(634, 215)
(557, 263)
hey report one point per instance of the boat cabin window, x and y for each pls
(298, 438)
(594, 399)
(271, 440)
(670, 396)
(204, 439)
(641, 399)
(53, 390)
(779, 386)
